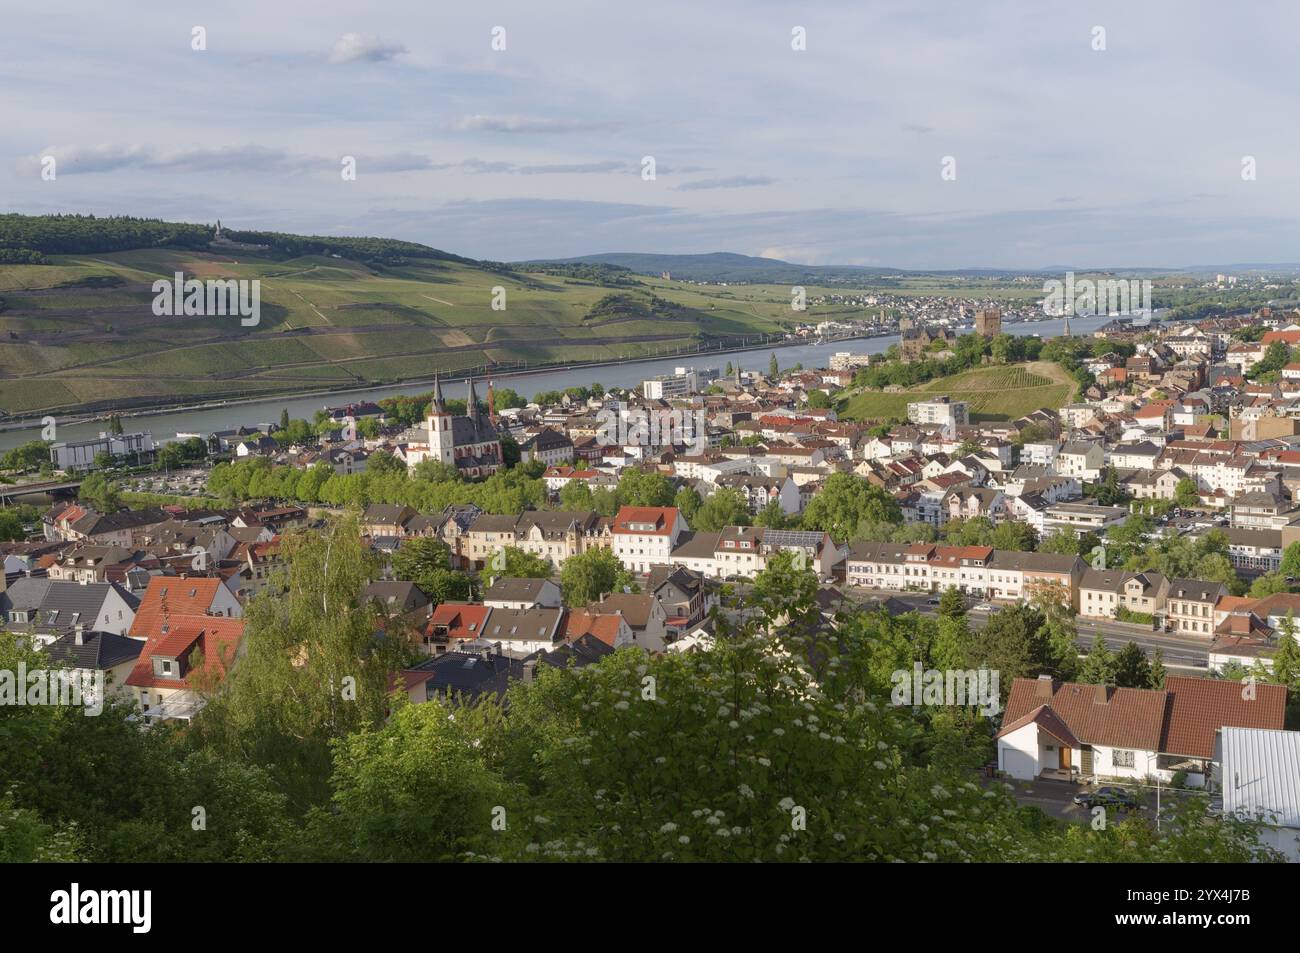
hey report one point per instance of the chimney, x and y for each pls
(1043, 689)
(530, 670)
(1101, 694)
(77, 636)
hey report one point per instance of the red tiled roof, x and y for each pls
(601, 625)
(661, 517)
(463, 620)
(216, 637)
(1095, 714)
(1199, 707)
(176, 592)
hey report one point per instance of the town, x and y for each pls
(1146, 529)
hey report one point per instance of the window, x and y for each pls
(1122, 759)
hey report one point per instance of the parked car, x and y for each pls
(1107, 797)
(985, 607)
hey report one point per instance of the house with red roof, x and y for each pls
(183, 595)
(1071, 731)
(185, 657)
(446, 626)
(644, 536)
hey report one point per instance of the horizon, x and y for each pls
(834, 154)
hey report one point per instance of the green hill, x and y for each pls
(78, 332)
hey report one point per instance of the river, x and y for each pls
(164, 425)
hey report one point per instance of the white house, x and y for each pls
(1068, 730)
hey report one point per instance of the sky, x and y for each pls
(913, 134)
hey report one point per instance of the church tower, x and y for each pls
(441, 442)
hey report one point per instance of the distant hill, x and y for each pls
(78, 331)
(722, 266)
(731, 267)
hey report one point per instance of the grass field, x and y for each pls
(327, 321)
(994, 393)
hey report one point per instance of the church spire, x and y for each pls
(471, 403)
(439, 407)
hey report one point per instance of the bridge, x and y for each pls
(10, 493)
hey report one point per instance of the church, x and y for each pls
(471, 443)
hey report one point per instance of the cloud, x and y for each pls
(110, 158)
(357, 47)
(732, 182)
(524, 124)
(484, 166)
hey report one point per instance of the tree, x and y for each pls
(688, 502)
(1099, 666)
(1062, 542)
(952, 604)
(1013, 536)
(588, 576)
(1131, 667)
(1290, 566)
(1186, 494)
(639, 488)
(100, 492)
(284, 418)
(11, 527)
(575, 495)
(313, 642)
(729, 370)
(1158, 672)
(726, 507)
(1268, 584)
(426, 561)
(382, 463)
(515, 563)
(818, 399)
(846, 502)
(772, 516)
(115, 425)
(773, 369)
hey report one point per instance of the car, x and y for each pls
(985, 607)
(933, 601)
(1107, 797)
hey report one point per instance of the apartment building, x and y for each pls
(1189, 606)
(940, 411)
(554, 535)
(976, 570)
(1103, 592)
(644, 536)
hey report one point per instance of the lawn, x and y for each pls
(994, 393)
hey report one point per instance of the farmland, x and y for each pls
(80, 331)
(994, 393)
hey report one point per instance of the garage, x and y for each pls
(1018, 764)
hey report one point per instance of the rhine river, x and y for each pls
(164, 425)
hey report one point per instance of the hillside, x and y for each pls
(1002, 392)
(725, 267)
(79, 333)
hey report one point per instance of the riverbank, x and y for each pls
(205, 417)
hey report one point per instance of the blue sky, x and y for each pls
(1065, 155)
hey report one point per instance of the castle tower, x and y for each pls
(1066, 332)
(441, 442)
(492, 404)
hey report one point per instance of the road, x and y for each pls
(1179, 653)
